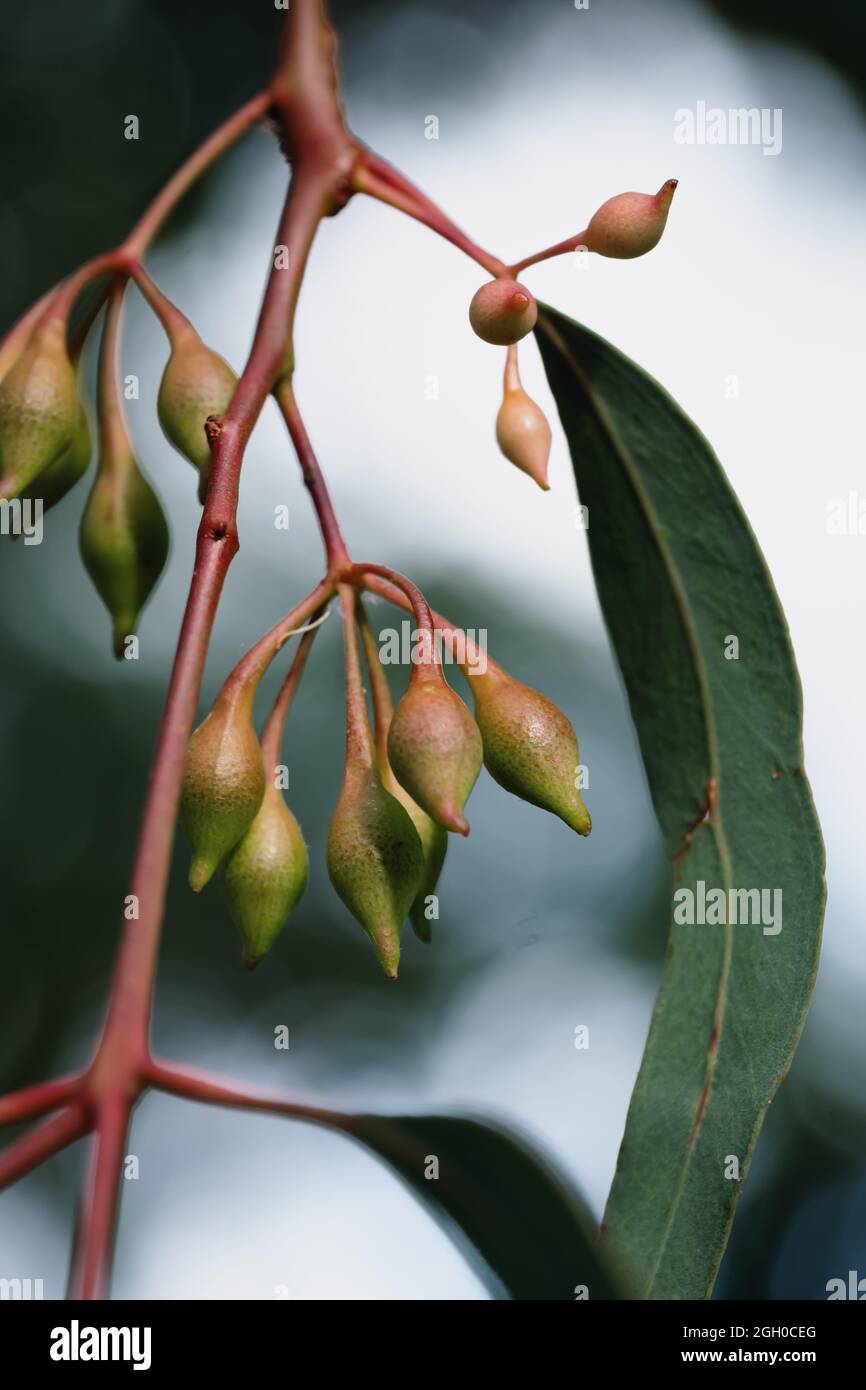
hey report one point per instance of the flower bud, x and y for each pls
(503, 311)
(630, 224)
(60, 477)
(530, 748)
(434, 844)
(38, 408)
(434, 747)
(522, 431)
(223, 783)
(196, 383)
(375, 861)
(123, 541)
(264, 876)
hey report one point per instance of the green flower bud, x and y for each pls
(630, 224)
(375, 860)
(503, 311)
(265, 874)
(434, 747)
(223, 783)
(196, 383)
(434, 844)
(38, 408)
(60, 477)
(530, 748)
(123, 541)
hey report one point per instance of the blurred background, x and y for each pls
(749, 312)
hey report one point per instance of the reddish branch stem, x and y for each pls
(304, 97)
(336, 554)
(328, 166)
(41, 1143)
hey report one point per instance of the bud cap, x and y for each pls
(375, 860)
(264, 876)
(630, 224)
(523, 435)
(530, 747)
(38, 408)
(434, 749)
(196, 383)
(124, 543)
(223, 784)
(503, 311)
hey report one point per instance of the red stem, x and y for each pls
(323, 153)
(378, 179)
(272, 734)
(41, 1143)
(94, 1236)
(383, 705)
(560, 249)
(335, 547)
(193, 1084)
(359, 742)
(37, 1100)
(328, 165)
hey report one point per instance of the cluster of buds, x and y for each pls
(408, 776)
(45, 439)
(503, 311)
(406, 781)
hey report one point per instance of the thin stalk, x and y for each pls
(560, 249)
(191, 170)
(41, 1143)
(336, 554)
(33, 1101)
(175, 323)
(383, 705)
(272, 734)
(359, 746)
(400, 194)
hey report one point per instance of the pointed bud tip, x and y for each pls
(251, 962)
(451, 819)
(201, 872)
(579, 820)
(122, 629)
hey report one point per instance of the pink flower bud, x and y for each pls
(630, 224)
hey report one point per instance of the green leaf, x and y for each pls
(500, 1200)
(678, 573)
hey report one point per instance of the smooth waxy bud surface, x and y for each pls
(124, 543)
(630, 224)
(265, 874)
(223, 784)
(375, 860)
(196, 383)
(503, 311)
(530, 747)
(434, 748)
(523, 435)
(38, 408)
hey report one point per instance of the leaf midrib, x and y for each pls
(714, 820)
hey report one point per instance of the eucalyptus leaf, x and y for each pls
(529, 1235)
(704, 651)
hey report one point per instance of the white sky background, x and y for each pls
(760, 275)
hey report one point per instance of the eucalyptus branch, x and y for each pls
(382, 833)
